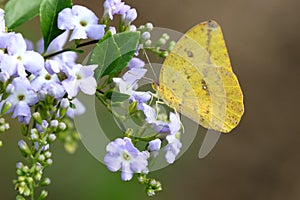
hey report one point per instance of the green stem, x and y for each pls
(71, 49)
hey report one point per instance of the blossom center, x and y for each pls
(21, 97)
(19, 58)
(78, 76)
(47, 77)
(126, 156)
(83, 23)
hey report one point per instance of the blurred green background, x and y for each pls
(258, 160)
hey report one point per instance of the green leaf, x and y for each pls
(116, 96)
(113, 53)
(18, 12)
(49, 10)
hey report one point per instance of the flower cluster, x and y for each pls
(122, 153)
(40, 88)
(48, 85)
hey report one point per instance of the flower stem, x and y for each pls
(71, 49)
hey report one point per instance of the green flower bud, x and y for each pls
(29, 180)
(19, 197)
(19, 172)
(149, 26)
(41, 158)
(62, 126)
(24, 148)
(26, 191)
(43, 194)
(165, 36)
(161, 42)
(2, 120)
(48, 154)
(25, 169)
(21, 179)
(5, 107)
(2, 128)
(37, 117)
(152, 182)
(148, 43)
(171, 45)
(49, 161)
(46, 182)
(38, 177)
(52, 137)
(150, 192)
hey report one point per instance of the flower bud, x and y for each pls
(165, 36)
(146, 36)
(10, 88)
(148, 43)
(150, 192)
(129, 16)
(54, 123)
(41, 158)
(52, 137)
(42, 95)
(152, 182)
(49, 161)
(62, 126)
(2, 120)
(43, 194)
(149, 26)
(19, 165)
(48, 154)
(34, 136)
(25, 169)
(46, 182)
(38, 177)
(4, 76)
(24, 148)
(64, 103)
(37, 117)
(5, 107)
(132, 28)
(19, 197)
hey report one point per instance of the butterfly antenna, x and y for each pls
(152, 69)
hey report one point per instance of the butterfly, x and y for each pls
(197, 80)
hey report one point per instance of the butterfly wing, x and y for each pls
(197, 79)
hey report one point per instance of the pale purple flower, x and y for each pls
(123, 155)
(140, 98)
(82, 21)
(78, 110)
(2, 20)
(129, 16)
(49, 83)
(172, 127)
(29, 45)
(61, 61)
(113, 7)
(4, 76)
(154, 146)
(128, 83)
(136, 63)
(172, 149)
(80, 78)
(21, 98)
(18, 59)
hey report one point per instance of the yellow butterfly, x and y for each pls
(197, 80)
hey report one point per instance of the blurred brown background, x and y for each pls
(259, 160)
